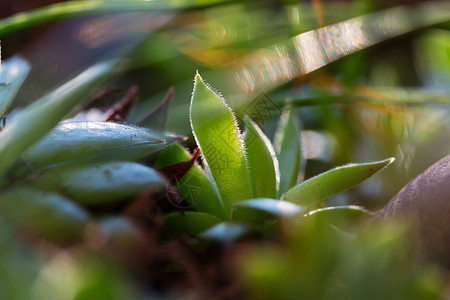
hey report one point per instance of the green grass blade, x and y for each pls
(188, 222)
(288, 149)
(262, 162)
(217, 135)
(69, 9)
(37, 119)
(12, 74)
(257, 211)
(332, 182)
(194, 186)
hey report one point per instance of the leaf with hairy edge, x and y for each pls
(332, 182)
(189, 222)
(194, 186)
(288, 149)
(12, 74)
(256, 211)
(217, 135)
(37, 119)
(262, 162)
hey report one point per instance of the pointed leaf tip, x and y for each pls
(334, 181)
(216, 133)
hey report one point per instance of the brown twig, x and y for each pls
(120, 111)
(158, 116)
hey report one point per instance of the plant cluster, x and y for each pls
(103, 204)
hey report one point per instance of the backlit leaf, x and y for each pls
(262, 162)
(217, 135)
(332, 182)
(288, 149)
(194, 186)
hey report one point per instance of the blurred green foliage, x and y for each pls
(390, 99)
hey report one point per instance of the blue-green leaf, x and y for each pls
(262, 162)
(95, 141)
(12, 74)
(227, 232)
(102, 183)
(334, 181)
(256, 211)
(37, 119)
(217, 134)
(45, 213)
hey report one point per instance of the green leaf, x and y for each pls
(227, 232)
(262, 162)
(256, 211)
(194, 186)
(95, 141)
(102, 183)
(12, 74)
(79, 8)
(334, 181)
(217, 135)
(46, 213)
(189, 222)
(121, 233)
(343, 217)
(288, 149)
(37, 119)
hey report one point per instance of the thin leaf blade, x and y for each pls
(288, 149)
(332, 182)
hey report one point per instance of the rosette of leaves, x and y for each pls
(245, 179)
